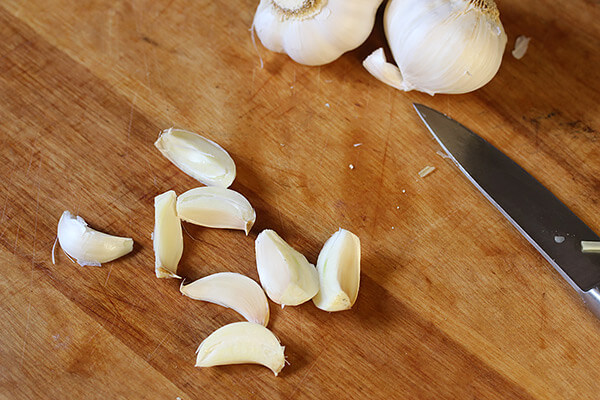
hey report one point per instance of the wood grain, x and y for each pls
(454, 303)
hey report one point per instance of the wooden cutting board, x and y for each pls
(454, 303)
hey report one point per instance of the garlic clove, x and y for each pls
(167, 237)
(197, 156)
(232, 290)
(241, 343)
(314, 32)
(89, 246)
(285, 274)
(339, 272)
(216, 207)
(386, 72)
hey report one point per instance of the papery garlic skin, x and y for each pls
(197, 156)
(167, 236)
(216, 207)
(440, 46)
(89, 246)
(231, 290)
(339, 272)
(314, 32)
(285, 274)
(241, 343)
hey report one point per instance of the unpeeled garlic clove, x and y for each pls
(339, 272)
(216, 207)
(89, 246)
(197, 156)
(285, 274)
(241, 343)
(167, 237)
(232, 290)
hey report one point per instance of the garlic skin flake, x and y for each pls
(285, 274)
(314, 32)
(440, 46)
(216, 207)
(241, 343)
(89, 246)
(167, 237)
(197, 156)
(521, 45)
(339, 272)
(231, 290)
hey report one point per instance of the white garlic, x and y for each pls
(231, 290)
(216, 207)
(285, 274)
(241, 343)
(589, 246)
(339, 272)
(167, 237)
(89, 246)
(314, 32)
(440, 46)
(197, 156)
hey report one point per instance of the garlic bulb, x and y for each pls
(89, 246)
(314, 32)
(241, 343)
(440, 46)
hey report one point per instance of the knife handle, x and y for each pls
(591, 298)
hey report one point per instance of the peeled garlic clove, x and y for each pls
(285, 274)
(216, 207)
(89, 246)
(440, 46)
(234, 291)
(241, 343)
(167, 236)
(314, 32)
(197, 156)
(339, 272)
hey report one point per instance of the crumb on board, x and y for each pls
(442, 154)
(351, 166)
(357, 144)
(559, 239)
(521, 45)
(426, 171)
(588, 246)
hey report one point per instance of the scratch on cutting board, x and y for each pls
(111, 17)
(384, 159)
(159, 344)
(108, 275)
(129, 128)
(306, 374)
(35, 224)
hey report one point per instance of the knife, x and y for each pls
(554, 230)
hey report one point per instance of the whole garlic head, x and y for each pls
(440, 46)
(314, 32)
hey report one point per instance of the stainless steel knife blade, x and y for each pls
(554, 230)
